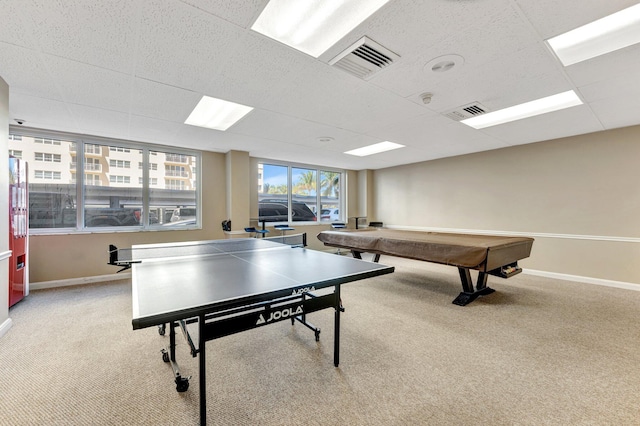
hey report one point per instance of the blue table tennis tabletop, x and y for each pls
(228, 286)
(186, 279)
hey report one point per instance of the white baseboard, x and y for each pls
(79, 281)
(581, 279)
(5, 326)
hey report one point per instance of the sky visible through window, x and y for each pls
(276, 177)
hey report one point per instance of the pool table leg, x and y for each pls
(469, 293)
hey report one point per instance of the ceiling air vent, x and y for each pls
(467, 111)
(364, 58)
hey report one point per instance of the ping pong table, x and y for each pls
(222, 287)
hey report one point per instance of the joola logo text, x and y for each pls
(303, 290)
(278, 315)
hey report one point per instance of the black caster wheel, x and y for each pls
(317, 335)
(162, 329)
(182, 384)
(165, 356)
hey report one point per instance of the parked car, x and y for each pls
(274, 210)
(183, 213)
(180, 223)
(330, 214)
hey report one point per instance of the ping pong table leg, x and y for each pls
(336, 338)
(203, 379)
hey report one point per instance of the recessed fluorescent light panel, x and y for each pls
(605, 35)
(216, 114)
(525, 110)
(374, 149)
(313, 26)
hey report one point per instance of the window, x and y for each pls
(173, 197)
(47, 157)
(47, 174)
(152, 166)
(47, 141)
(100, 189)
(15, 153)
(120, 164)
(290, 194)
(119, 179)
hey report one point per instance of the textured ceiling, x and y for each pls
(134, 69)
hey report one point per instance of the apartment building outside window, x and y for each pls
(78, 182)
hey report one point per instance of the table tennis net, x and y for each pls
(127, 256)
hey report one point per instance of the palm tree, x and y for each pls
(330, 184)
(306, 183)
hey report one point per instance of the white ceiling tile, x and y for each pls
(552, 125)
(101, 33)
(17, 27)
(552, 17)
(618, 111)
(25, 72)
(154, 131)
(89, 85)
(101, 122)
(40, 112)
(242, 13)
(182, 46)
(157, 100)
(613, 65)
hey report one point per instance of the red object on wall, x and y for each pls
(18, 230)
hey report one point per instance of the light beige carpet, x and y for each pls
(536, 352)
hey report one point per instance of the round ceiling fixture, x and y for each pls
(325, 139)
(444, 63)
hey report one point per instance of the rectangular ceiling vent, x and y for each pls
(467, 111)
(364, 58)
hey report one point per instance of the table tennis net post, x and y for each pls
(295, 240)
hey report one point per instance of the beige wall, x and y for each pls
(238, 189)
(578, 196)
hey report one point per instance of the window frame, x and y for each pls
(342, 201)
(80, 141)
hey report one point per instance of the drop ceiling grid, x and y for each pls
(548, 126)
(161, 101)
(153, 130)
(612, 66)
(41, 112)
(108, 123)
(259, 72)
(620, 111)
(506, 69)
(428, 25)
(241, 13)
(292, 130)
(439, 133)
(17, 28)
(89, 85)
(174, 51)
